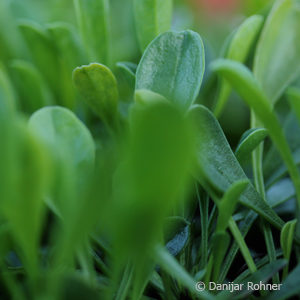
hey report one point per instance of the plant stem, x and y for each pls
(203, 205)
(257, 158)
(243, 246)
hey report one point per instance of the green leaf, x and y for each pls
(245, 84)
(245, 225)
(43, 52)
(244, 38)
(220, 243)
(67, 43)
(277, 60)
(143, 199)
(249, 141)
(7, 97)
(172, 267)
(146, 96)
(173, 66)
(74, 287)
(98, 86)
(280, 192)
(227, 204)
(262, 275)
(217, 166)
(11, 41)
(28, 79)
(63, 132)
(152, 17)
(177, 234)
(294, 99)
(128, 70)
(70, 55)
(239, 50)
(290, 287)
(26, 164)
(273, 161)
(286, 242)
(93, 20)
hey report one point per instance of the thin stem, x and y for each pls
(203, 205)
(242, 245)
(257, 158)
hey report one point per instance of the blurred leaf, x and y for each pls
(7, 96)
(294, 99)
(249, 141)
(173, 66)
(154, 173)
(290, 287)
(245, 84)
(217, 167)
(128, 70)
(27, 181)
(69, 55)
(98, 86)
(286, 242)
(238, 50)
(67, 42)
(60, 129)
(175, 270)
(277, 60)
(227, 204)
(74, 287)
(93, 22)
(43, 52)
(146, 96)
(152, 17)
(28, 79)
(11, 41)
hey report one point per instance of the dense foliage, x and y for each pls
(117, 180)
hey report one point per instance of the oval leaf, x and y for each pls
(59, 128)
(218, 168)
(277, 60)
(173, 66)
(98, 86)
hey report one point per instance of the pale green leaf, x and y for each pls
(173, 66)
(277, 60)
(152, 17)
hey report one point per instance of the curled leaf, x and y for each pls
(249, 141)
